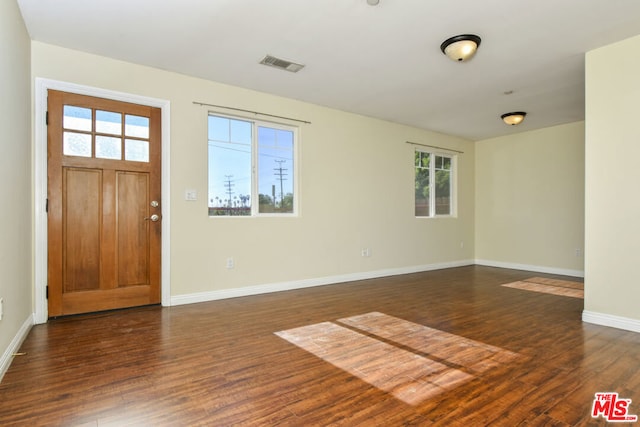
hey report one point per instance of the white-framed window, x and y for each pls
(252, 167)
(434, 184)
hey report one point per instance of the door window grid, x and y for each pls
(99, 134)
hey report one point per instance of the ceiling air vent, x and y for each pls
(272, 61)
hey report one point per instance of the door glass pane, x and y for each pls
(136, 126)
(76, 118)
(108, 122)
(108, 147)
(136, 150)
(76, 144)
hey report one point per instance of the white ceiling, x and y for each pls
(382, 61)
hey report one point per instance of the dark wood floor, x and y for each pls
(222, 364)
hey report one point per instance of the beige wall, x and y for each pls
(15, 175)
(612, 180)
(356, 187)
(530, 199)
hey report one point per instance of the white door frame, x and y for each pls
(40, 183)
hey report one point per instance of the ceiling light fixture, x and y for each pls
(514, 118)
(461, 48)
(373, 2)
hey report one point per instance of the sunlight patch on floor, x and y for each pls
(550, 286)
(410, 361)
(455, 350)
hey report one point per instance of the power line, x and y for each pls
(261, 154)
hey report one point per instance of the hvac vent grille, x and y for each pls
(272, 61)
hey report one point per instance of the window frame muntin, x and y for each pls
(453, 188)
(255, 123)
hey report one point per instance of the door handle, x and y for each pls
(154, 218)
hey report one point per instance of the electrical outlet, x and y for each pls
(365, 252)
(230, 263)
(578, 252)
(1, 308)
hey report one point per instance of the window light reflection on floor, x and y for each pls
(550, 286)
(424, 363)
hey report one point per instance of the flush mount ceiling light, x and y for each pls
(373, 2)
(460, 48)
(514, 118)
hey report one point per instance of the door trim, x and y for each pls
(42, 86)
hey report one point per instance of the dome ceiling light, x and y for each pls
(514, 118)
(460, 48)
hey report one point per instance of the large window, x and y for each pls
(252, 168)
(434, 178)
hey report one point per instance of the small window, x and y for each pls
(252, 168)
(434, 177)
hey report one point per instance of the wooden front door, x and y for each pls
(104, 206)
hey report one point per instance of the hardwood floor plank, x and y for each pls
(499, 356)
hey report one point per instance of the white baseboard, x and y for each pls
(14, 346)
(528, 267)
(610, 320)
(307, 283)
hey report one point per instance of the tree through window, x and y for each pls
(433, 184)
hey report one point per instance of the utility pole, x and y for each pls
(229, 191)
(281, 176)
